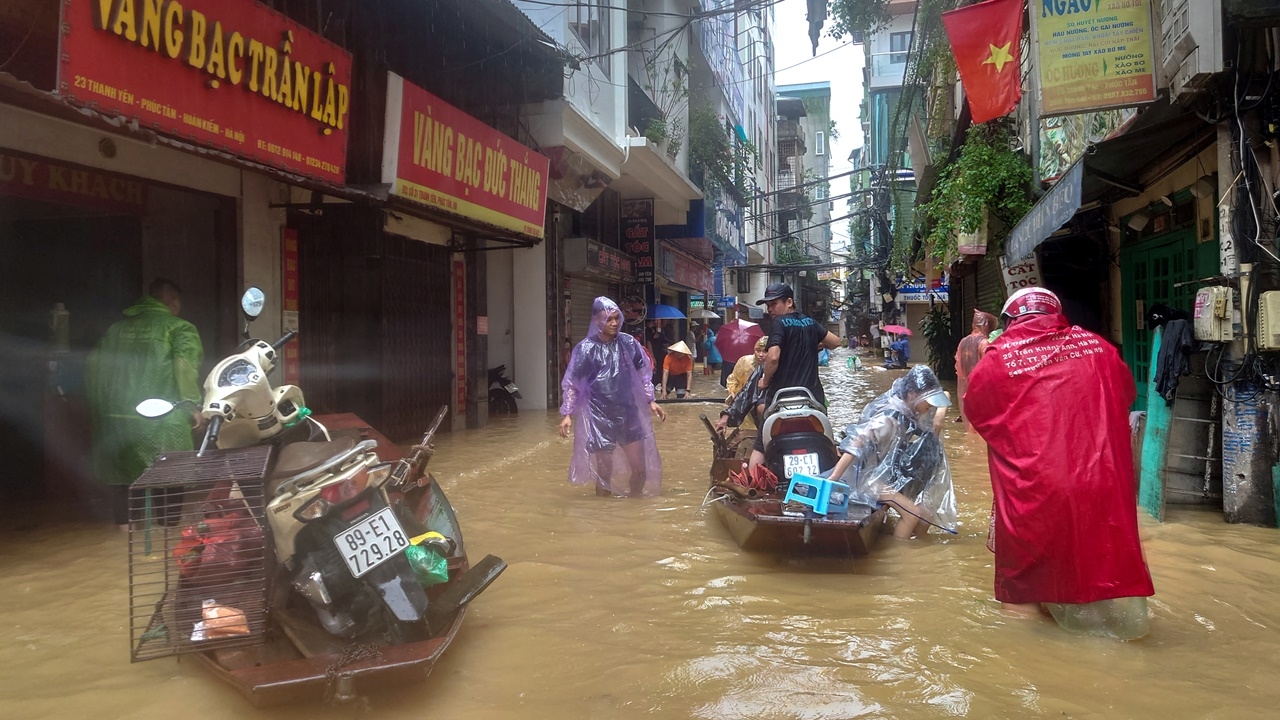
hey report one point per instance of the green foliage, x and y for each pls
(988, 176)
(857, 17)
(941, 341)
(722, 161)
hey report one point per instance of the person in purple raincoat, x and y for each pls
(607, 400)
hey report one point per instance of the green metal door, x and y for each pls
(1151, 272)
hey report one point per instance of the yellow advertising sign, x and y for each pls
(1093, 54)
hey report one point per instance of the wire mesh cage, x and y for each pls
(199, 553)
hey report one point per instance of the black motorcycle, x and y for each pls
(503, 393)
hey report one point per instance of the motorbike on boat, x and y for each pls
(798, 441)
(355, 543)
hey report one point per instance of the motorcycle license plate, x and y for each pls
(806, 464)
(371, 542)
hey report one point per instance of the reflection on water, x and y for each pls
(618, 608)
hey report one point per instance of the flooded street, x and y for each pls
(621, 608)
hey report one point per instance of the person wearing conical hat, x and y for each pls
(677, 371)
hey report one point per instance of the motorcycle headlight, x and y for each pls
(313, 510)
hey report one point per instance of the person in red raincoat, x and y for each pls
(1052, 402)
(968, 354)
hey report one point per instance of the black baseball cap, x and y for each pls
(776, 291)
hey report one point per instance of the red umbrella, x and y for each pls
(737, 339)
(897, 330)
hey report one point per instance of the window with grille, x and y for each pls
(899, 44)
(589, 21)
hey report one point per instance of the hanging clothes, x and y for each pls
(1174, 359)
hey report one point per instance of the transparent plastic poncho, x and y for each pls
(897, 450)
(607, 391)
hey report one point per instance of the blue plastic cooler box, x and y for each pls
(822, 496)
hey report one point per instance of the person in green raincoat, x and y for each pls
(151, 353)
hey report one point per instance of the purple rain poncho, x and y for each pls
(606, 389)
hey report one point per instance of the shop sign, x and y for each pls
(727, 301)
(583, 255)
(228, 74)
(724, 226)
(1050, 213)
(1021, 274)
(637, 237)
(289, 302)
(1093, 54)
(436, 155)
(684, 270)
(35, 178)
(460, 335)
(918, 291)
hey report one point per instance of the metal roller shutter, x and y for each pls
(990, 285)
(582, 292)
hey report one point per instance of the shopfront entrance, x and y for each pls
(78, 246)
(1152, 271)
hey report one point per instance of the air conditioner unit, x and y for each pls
(1212, 316)
(1190, 44)
(1269, 321)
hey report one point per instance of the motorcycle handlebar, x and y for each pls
(288, 338)
(211, 435)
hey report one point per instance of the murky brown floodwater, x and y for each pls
(624, 608)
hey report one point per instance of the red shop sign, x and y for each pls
(228, 74)
(439, 156)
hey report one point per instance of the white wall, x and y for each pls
(260, 249)
(529, 288)
(501, 314)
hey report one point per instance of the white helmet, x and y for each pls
(1031, 301)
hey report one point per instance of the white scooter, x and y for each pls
(330, 516)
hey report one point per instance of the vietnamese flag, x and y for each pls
(984, 39)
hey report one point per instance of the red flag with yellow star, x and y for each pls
(984, 39)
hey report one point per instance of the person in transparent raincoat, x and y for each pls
(607, 400)
(893, 455)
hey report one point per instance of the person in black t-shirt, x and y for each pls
(792, 358)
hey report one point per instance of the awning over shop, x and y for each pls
(1164, 134)
(1054, 209)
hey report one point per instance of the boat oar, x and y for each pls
(717, 442)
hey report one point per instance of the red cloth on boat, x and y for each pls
(1052, 401)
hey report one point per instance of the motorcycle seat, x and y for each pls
(300, 457)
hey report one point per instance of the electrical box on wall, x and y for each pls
(1269, 320)
(1213, 314)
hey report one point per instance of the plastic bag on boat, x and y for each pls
(896, 450)
(430, 566)
(607, 391)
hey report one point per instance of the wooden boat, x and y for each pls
(301, 663)
(758, 524)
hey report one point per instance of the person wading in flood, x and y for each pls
(969, 352)
(607, 399)
(1052, 402)
(151, 353)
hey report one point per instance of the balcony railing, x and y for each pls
(888, 66)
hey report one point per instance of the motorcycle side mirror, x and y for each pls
(252, 303)
(154, 407)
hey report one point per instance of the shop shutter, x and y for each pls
(582, 292)
(990, 291)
